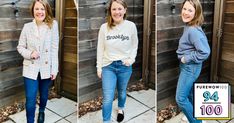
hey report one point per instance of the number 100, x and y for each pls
(209, 110)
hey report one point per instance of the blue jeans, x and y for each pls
(31, 87)
(115, 74)
(189, 72)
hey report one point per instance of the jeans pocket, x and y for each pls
(124, 68)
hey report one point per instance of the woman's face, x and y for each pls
(117, 12)
(188, 12)
(39, 12)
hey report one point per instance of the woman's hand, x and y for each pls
(52, 77)
(183, 60)
(126, 62)
(35, 55)
(99, 74)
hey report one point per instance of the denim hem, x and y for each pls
(120, 108)
(106, 121)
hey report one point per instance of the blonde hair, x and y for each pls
(110, 21)
(198, 17)
(49, 16)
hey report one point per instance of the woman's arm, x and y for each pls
(202, 48)
(134, 45)
(54, 49)
(100, 50)
(22, 45)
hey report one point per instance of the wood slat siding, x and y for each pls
(11, 80)
(226, 62)
(169, 30)
(91, 16)
(69, 52)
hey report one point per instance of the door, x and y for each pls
(67, 84)
(222, 69)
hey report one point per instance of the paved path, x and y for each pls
(60, 110)
(140, 108)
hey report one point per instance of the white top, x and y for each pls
(118, 43)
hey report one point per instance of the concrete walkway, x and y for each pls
(140, 108)
(177, 119)
(60, 110)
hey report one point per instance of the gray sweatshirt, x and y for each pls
(193, 45)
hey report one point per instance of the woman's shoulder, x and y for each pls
(196, 31)
(194, 28)
(28, 25)
(55, 21)
(127, 22)
(103, 26)
(55, 24)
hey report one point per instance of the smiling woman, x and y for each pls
(42, 12)
(117, 13)
(38, 45)
(116, 52)
(39, 13)
(193, 49)
(188, 12)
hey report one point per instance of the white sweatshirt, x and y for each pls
(118, 43)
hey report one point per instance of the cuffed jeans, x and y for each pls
(189, 72)
(31, 88)
(115, 74)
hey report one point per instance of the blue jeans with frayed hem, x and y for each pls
(189, 72)
(115, 74)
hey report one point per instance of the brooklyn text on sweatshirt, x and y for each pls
(118, 43)
(121, 37)
(193, 45)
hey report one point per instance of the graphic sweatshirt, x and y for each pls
(193, 45)
(118, 43)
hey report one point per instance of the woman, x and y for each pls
(193, 49)
(38, 44)
(116, 52)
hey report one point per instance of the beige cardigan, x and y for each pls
(45, 43)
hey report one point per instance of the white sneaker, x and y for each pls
(203, 121)
(184, 119)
